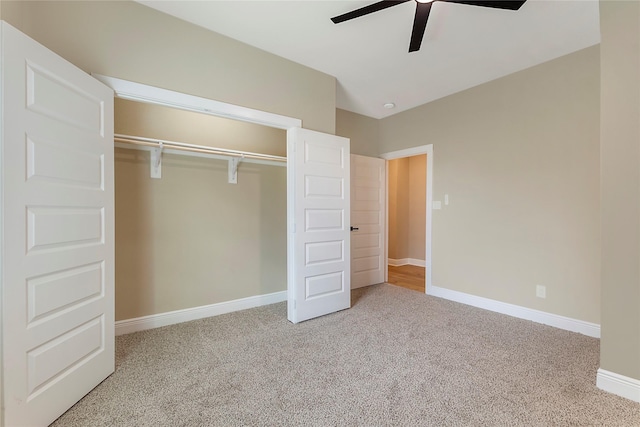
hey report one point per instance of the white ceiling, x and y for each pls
(463, 45)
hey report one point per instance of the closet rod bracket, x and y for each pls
(233, 169)
(156, 161)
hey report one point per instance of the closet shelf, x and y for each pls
(159, 146)
(203, 149)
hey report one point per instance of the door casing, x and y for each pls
(409, 152)
(148, 94)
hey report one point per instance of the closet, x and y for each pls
(184, 241)
(190, 238)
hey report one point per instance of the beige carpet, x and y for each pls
(397, 357)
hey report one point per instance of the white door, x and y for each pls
(367, 221)
(58, 225)
(318, 258)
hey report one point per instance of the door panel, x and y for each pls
(319, 268)
(367, 216)
(58, 222)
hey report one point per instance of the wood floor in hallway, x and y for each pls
(407, 276)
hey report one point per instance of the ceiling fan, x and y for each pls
(423, 7)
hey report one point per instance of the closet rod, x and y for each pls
(139, 140)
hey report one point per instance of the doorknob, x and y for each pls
(354, 229)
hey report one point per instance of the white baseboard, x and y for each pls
(417, 262)
(406, 261)
(618, 384)
(172, 317)
(566, 323)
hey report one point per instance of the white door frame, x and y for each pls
(153, 95)
(409, 152)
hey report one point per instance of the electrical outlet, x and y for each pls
(541, 291)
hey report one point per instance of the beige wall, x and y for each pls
(392, 200)
(133, 42)
(190, 238)
(407, 207)
(155, 121)
(519, 158)
(620, 185)
(417, 206)
(398, 245)
(362, 130)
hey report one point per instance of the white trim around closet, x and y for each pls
(154, 95)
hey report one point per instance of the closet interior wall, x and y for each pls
(190, 238)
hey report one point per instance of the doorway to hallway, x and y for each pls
(409, 202)
(407, 276)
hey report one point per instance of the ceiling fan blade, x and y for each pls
(419, 25)
(498, 4)
(367, 10)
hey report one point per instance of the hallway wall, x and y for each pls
(407, 208)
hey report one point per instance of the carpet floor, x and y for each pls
(396, 358)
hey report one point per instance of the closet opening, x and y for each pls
(409, 203)
(317, 280)
(189, 238)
